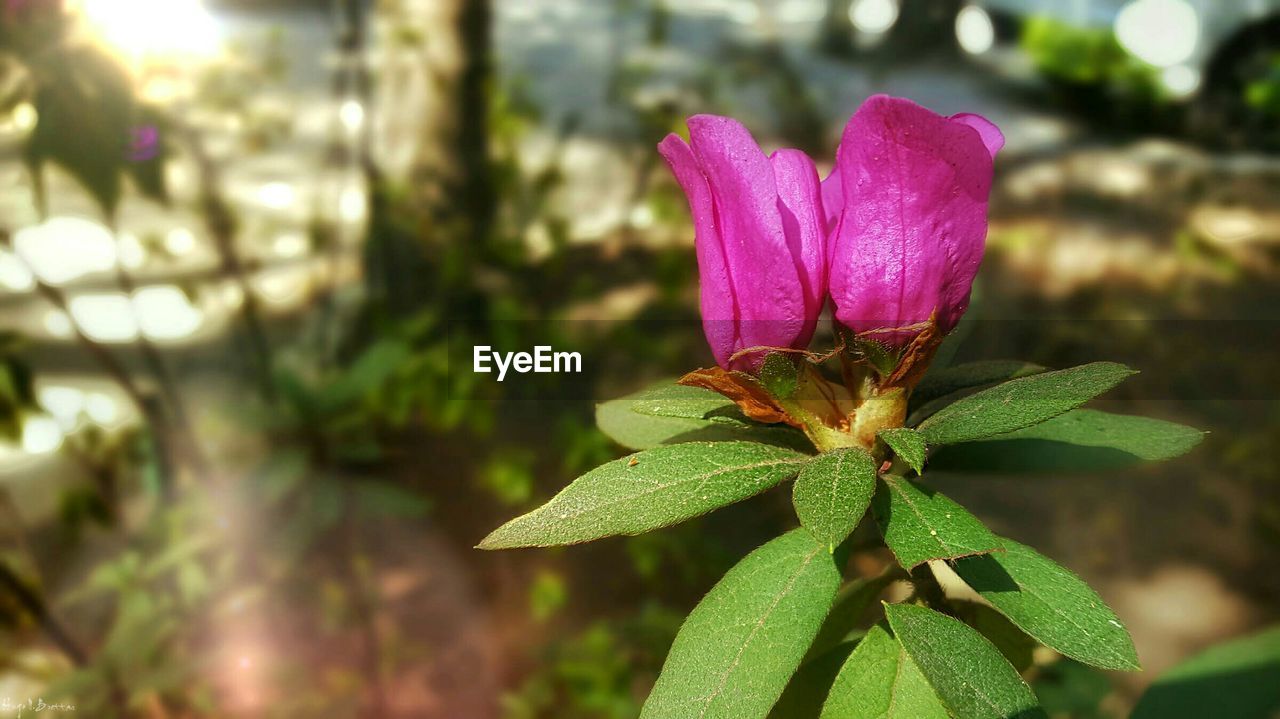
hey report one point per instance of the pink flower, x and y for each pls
(760, 233)
(909, 232)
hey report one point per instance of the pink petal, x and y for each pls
(800, 204)
(987, 130)
(719, 318)
(832, 197)
(771, 309)
(911, 235)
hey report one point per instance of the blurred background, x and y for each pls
(243, 243)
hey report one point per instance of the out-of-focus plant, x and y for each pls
(156, 597)
(1088, 57)
(595, 673)
(17, 394)
(1233, 679)
(894, 238)
(84, 102)
(1070, 689)
(1263, 94)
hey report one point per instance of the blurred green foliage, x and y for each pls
(1088, 57)
(600, 672)
(17, 395)
(1263, 93)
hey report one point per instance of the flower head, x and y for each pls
(909, 233)
(760, 234)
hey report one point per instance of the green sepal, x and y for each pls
(780, 375)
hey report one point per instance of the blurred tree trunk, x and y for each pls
(433, 135)
(835, 37)
(927, 26)
(452, 166)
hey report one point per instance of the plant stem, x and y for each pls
(927, 588)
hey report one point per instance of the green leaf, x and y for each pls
(648, 490)
(1051, 604)
(744, 640)
(971, 677)
(1021, 403)
(1082, 440)
(879, 681)
(779, 375)
(832, 493)
(920, 523)
(907, 444)
(715, 421)
(849, 609)
(634, 431)
(949, 380)
(1012, 642)
(1233, 680)
(808, 689)
(674, 400)
(85, 107)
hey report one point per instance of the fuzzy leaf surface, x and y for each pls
(879, 681)
(907, 444)
(1013, 643)
(674, 400)
(832, 492)
(970, 676)
(949, 380)
(808, 689)
(647, 490)
(1021, 403)
(741, 644)
(688, 415)
(920, 523)
(1082, 440)
(850, 607)
(1050, 603)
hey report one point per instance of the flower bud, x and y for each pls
(909, 234)
(760, 231)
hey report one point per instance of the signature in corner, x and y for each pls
(31, 707)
